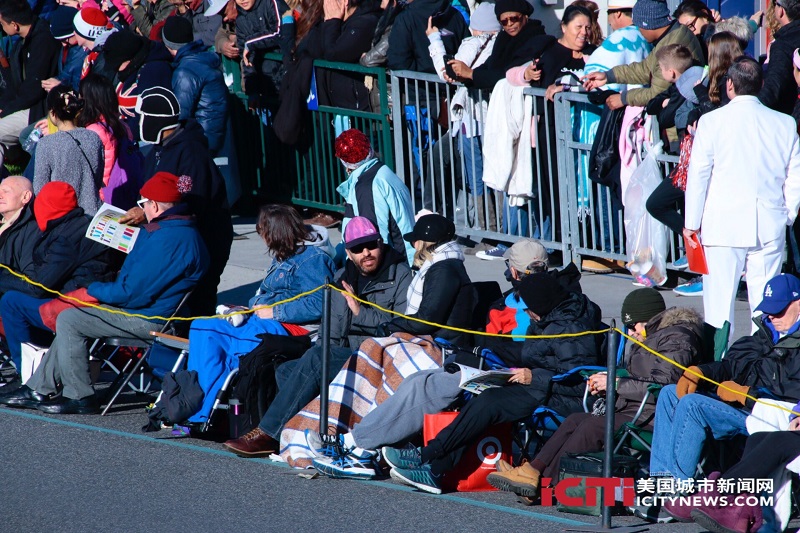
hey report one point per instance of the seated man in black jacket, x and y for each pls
(374, 272)
(765, 364)
(61, 259)
(16, 196)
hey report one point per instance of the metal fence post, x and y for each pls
(326, 350)
(611, 398)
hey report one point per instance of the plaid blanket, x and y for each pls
(369, 377)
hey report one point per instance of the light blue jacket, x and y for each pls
(387, 204)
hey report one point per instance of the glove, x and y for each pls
(729, 396)
(688, 382)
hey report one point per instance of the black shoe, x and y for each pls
(10, 385)
(68, 406)
(25, 397)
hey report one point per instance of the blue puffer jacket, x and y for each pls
(69, 67)
(167, 260)
(305, 270)
(198, 83)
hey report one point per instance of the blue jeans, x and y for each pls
(472, 150)
(22, 323)
(681, 427)
(298, 384)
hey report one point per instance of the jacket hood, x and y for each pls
(676, 316)
(573, 308)
(428, 7)
(318, 237)
(195, 52)
(57, 219)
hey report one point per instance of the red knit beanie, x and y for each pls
(90, 22)
(55, 200)
(352, 146)
(166, 187)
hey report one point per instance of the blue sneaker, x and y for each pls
(681, 264)
(693, 288)
(408, 457)
(324, 445)
(493, 253)
(353, 464)
(421, 478)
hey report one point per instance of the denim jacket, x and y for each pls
(305, 270)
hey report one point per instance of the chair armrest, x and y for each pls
(179, 343)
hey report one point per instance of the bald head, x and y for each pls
(15, 193)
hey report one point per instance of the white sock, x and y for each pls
(349, 441)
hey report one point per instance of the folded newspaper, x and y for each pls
(476, 381)
(106, 228)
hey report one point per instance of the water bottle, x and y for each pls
(30, 142)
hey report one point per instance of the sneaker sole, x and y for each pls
(421, 486)
(688, 293)
(640, 515)
(506, 485)
(242, 453)
(391, 464)
(705, 521)
(350, 473)
(485, 257)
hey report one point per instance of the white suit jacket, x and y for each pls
(744, 175)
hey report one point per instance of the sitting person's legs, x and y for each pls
(22, 322)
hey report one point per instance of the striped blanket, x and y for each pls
(369, 377)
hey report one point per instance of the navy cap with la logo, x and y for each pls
(779, 292)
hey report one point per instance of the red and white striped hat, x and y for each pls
(90, 22)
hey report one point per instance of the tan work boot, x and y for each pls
(523, 480)
(503, 466)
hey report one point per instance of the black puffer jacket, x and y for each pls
(757, 362)
(575, 314)
(509, 52)
(408, 46)
(676, 333)
(260, 31)
(780, 90)
(16, 243)
(63, 259)
(448, 297)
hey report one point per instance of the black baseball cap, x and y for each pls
(432, 228)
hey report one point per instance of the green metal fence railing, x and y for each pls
(307, 174)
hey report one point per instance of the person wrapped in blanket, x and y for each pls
(675, 333)
(549, 309)
(302, 260)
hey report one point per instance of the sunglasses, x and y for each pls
(359, 248)
(141, 202)
(510, 20)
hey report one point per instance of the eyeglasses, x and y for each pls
(513, 19)
(692, 24)
(141, 202)
(359, 248)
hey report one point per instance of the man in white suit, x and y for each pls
(742, 190)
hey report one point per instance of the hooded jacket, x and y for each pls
(62, 258)
(780, 90)
(167, 261)
(509, 52)
(70, 65)
(16, 242)
(150, 67)
(201, 91)
(408, 46)
(387, 289)
(32, 59)
(770, 369)
(676, 333)
(558, 355)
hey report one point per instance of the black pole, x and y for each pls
(611, 397)
(326, 349)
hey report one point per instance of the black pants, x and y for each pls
(765, 453)
(494, 406)
(218, 239)
(579, 433)
(664, 203)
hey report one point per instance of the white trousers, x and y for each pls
(725, 266)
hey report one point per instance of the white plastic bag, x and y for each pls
(31, 359)
(647, 237)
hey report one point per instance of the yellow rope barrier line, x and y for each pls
(701, 376)
(26, 279)
(462, 330)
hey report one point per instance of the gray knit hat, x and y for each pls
(651, 14)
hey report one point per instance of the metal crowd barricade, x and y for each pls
(439, 165)
(310, 173)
